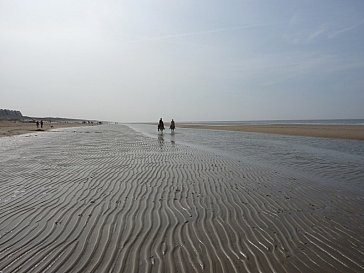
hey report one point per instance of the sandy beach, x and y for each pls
(328, 131)
(11, 128)
(110, 199)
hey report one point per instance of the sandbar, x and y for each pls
(328, 131)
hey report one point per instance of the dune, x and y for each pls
(109, 199)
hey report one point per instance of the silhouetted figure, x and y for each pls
(160, 125)
(37, 124)
(173, 126)
(41, 124)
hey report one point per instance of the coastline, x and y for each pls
(12, 128)
(355, 132)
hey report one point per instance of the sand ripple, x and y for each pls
(108, 199)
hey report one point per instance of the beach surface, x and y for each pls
(11, 128)
(313, 130)
(110, 199)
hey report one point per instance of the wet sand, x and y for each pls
(11, 128)
(108, 199)
(328, 131)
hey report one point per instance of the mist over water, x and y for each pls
(335, 162)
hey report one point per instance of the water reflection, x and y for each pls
(162, 137)
(161, 140)
(330, 161)
(173, 140)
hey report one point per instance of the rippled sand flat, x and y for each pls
(108, 199)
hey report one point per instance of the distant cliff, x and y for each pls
(10, 114)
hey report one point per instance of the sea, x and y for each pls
(337, 163)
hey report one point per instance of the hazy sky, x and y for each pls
(138, 60)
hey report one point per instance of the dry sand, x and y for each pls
(107, 199)
(328, 131)
(10, 128)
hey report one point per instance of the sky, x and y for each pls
(135, 61)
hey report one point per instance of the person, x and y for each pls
(37, 124)
(172, 125)
(160, 125)
(41, 124)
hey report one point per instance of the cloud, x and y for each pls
(335, 33)
(279, 69)
(315, 34)
(302, 36)
(197, 33)
(326, 30)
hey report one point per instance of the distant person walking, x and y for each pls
(160, 125)
(37, 124)
(173, 126)
(41, 124)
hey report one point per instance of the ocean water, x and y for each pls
(335, 162)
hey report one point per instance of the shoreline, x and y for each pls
(12, 128)
(354, 132)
